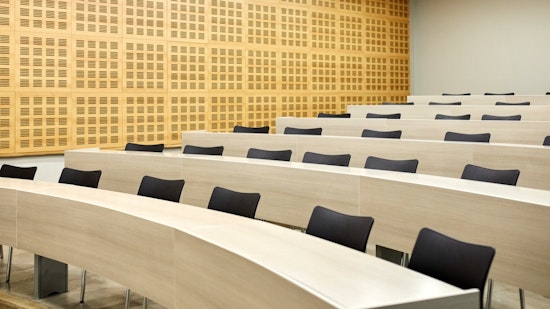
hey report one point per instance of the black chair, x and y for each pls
(506, 93)
(213, 151)
(279, 155)
(237, 203)
(12, 171)
(492, 117)
(381, 134)
(325, 115)
(513, 104)
(140, 147)
(318, 158)
(467, 93)
(458, 263)
(548, 93)
(546, 141)
(310, 131)
(241, 129)
(86, 179)
(397, 103)
(407, 166)
(163, 189)
(463, 137)
(442, 103)
(346, 230)
(452, 117)
(387, 116)
(505, 177)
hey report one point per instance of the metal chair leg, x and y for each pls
(145, 300)
(8, 269)
(521, 298)
(83, 286)
(489, 293)
(127, 305)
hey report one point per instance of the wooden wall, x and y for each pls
(100, 73)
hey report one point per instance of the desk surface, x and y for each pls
(435, 157)
(514, 220)
(188, 257)
(479, 99)
(514, 132)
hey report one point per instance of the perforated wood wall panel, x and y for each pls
(101, 73)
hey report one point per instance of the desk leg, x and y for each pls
(50, 276)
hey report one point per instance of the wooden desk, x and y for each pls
(513, 220)
(479, 99)
(188, 257)
(513, 132)
(435, 157)
(528, 113)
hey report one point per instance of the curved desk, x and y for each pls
(435, 157)
(188, 257)
(479, 99)
(513, 132)
(513, 220)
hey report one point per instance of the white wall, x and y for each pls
(480, 46)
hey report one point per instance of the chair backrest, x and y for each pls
(241, 129)
(458, 263)
(387, 116)
(453, 117)
(309, 131)
(474, 172)
(140, 147)
(397, 103)
(325, 115)
(514, 104)
(80, 178)
(467, 93)
(237, 203)
(346, 230)
(506, 93)
(463, 137)
(168, 190)
(279, 155)
(381, 134)
(407, 166)
(442, 103)
(546, 141)
(492, 117)
(11, 171)
(213, 151)
(319, 158)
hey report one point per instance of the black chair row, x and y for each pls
(486, 93)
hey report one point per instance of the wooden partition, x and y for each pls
(511, 219)
(479, 99)
(188, 257)
(528, 113)
(435, 157)
(515, 132)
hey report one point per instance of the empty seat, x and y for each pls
(387, 116)
(514, 104)
(444, 103)
(140, 147)
(164, 189)
(397, 103)
(346, 230)
(505, 177)
(242, 129)
(458, 263)
(546, 141)
(325, 115)
(493, 117)
(381, 134)
(506, 93)
(279, 155)
(467, 93)
(213, 151)
(318, 158)
(233, 202)
(463, 137)
(452, 117)
(407, 166)
(309, 131)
